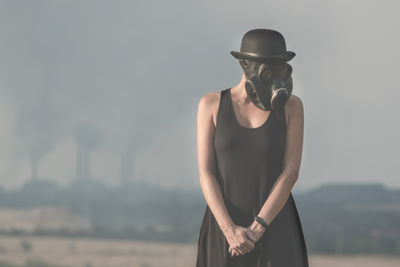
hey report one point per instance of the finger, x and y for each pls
(245, 242)
(251, 236)
(242, 250)
(248, 244)
(234, 253)
(247, 247)
(236, 250)
(248, 236)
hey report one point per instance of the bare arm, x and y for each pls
(291, 164)
(234, 234)
(207, 162)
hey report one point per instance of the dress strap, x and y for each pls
(222, 109)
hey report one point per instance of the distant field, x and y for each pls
(50, 218)
(87, 252)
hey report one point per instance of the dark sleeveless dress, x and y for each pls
(249, 161)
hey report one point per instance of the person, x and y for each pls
(249, 146)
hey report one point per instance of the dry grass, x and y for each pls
(50, 218)
(98, 253)
(88, 252)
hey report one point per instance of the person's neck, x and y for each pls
(239, 90)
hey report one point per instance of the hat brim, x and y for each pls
(260, 58)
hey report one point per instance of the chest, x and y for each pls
(267, 140)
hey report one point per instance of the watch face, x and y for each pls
(268, 85)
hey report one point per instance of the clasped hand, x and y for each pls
(242, 239)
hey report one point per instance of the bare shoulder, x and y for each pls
(294, 103)
(294, 107)
(208, 105)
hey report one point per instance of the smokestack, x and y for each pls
(37, 152)
(87, 138)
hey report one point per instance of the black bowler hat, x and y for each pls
(263, 45)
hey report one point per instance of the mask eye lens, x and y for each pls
(286, 71)
(267, 75)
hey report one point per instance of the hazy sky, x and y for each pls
(126, 77)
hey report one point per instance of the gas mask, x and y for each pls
(268, 85)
